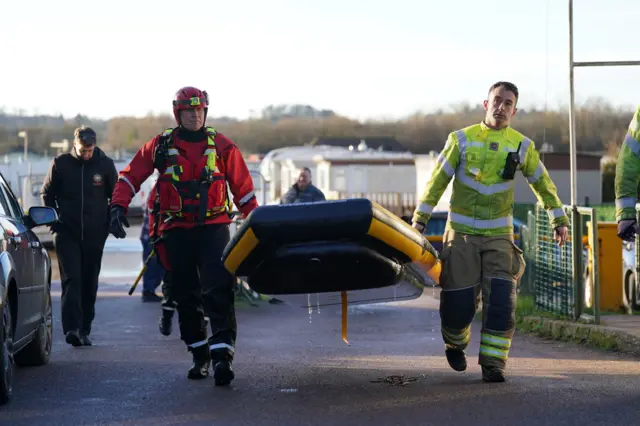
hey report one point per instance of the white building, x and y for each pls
(280, 167)
(425, 163)
(588, 179)
(385, 177)
(25, 179)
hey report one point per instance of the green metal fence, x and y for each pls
(563, 280)
(604, 212)
(630, 292)
(528, 239)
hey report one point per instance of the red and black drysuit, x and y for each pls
(193, 221)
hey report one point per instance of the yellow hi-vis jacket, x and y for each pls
(481, 200)
(628, 171)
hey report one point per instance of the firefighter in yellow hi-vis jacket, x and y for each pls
(627, 178)
(479, 255)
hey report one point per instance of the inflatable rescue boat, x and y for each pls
(352, 245)
(329, 246)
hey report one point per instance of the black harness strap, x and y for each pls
(192, 189)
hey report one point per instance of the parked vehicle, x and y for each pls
(31, 185)
(438, 221)
(26, 315)
(629, 276)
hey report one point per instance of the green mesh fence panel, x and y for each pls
(527, 282)
(553, 277)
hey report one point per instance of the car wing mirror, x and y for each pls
(40, 215)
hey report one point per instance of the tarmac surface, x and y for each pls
(293, 368)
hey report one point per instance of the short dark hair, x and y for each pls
(507, 85)
(306, 169)
(85, 135)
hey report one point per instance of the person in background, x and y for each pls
(626, 181)
(303, 191)
(152, 277)
(79, 185)
(153, 241)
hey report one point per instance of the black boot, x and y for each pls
(223, 373)
(492, 374)
(150, 296)
(221, 360)
(201, 363)
(73, 338)
(166, 322)
(84, 338)
(457, 359)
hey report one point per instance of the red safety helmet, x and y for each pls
(190, 97)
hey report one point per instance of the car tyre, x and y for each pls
(38, 351)
(6, 353)
(632, 293)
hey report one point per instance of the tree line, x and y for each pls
(600, 127)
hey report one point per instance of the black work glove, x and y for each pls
(117, 218)
(421, 227)
(54, 228)
(627, 229)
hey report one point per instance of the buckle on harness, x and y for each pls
(206, 176)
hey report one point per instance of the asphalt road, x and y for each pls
(293, 368)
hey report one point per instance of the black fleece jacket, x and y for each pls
(80, 191)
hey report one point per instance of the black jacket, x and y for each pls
(311, 194)
(80, 191)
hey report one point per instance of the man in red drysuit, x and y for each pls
(195, 164)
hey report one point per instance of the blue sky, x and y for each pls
(364, 59)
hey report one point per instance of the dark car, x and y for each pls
(26, 319)
(629, 280)
(438, 221)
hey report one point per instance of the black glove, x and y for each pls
(627, 230)
(420, 227)
(116, 220)
(54, 228)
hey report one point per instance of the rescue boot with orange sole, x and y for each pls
(457, 359)
(201, 363)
